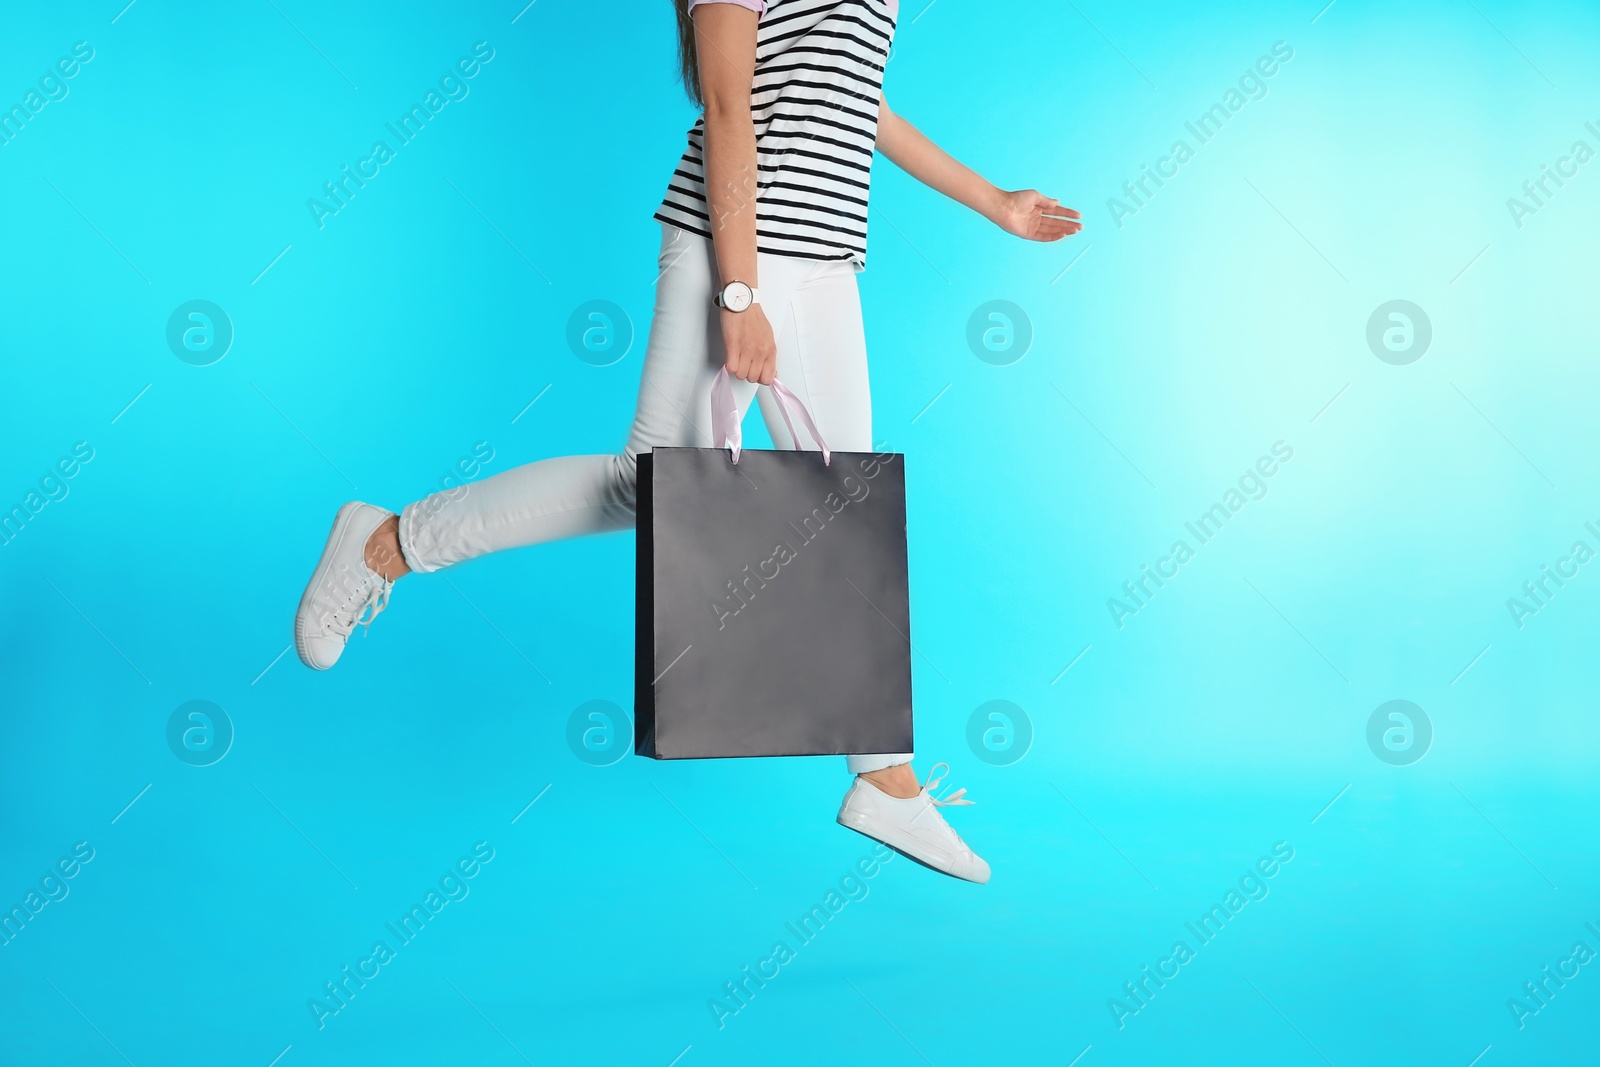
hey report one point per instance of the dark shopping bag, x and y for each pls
(773, 607)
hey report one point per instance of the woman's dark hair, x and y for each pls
(688, 61)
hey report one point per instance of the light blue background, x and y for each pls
(423, 318)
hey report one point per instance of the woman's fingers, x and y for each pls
(1055, 208)
(760, 369)
(752, 368)
(1051, 224)
(1055, 229)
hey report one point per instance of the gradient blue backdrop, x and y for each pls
(1229, 714)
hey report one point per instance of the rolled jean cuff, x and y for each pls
(876, 762)
(410, 518)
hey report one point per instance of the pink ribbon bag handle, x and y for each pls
(725, 430)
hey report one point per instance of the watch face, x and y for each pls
(736, 296)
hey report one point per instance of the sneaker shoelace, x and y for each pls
(935, 777)
(359, 606)
(944, 830)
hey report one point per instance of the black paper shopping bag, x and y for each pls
(773, 606)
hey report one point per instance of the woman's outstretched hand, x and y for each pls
(752, 350)
(1030, 214)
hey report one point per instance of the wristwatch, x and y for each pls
(736, 296)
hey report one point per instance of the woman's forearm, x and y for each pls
(726, 44)
(730, 160)
(910, 150)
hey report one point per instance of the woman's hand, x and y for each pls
(751, 348)
(1033, 216)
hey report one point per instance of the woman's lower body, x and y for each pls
(815, 311)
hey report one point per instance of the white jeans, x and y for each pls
(815, 311)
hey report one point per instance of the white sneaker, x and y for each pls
(913, 826)
(343, 590)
